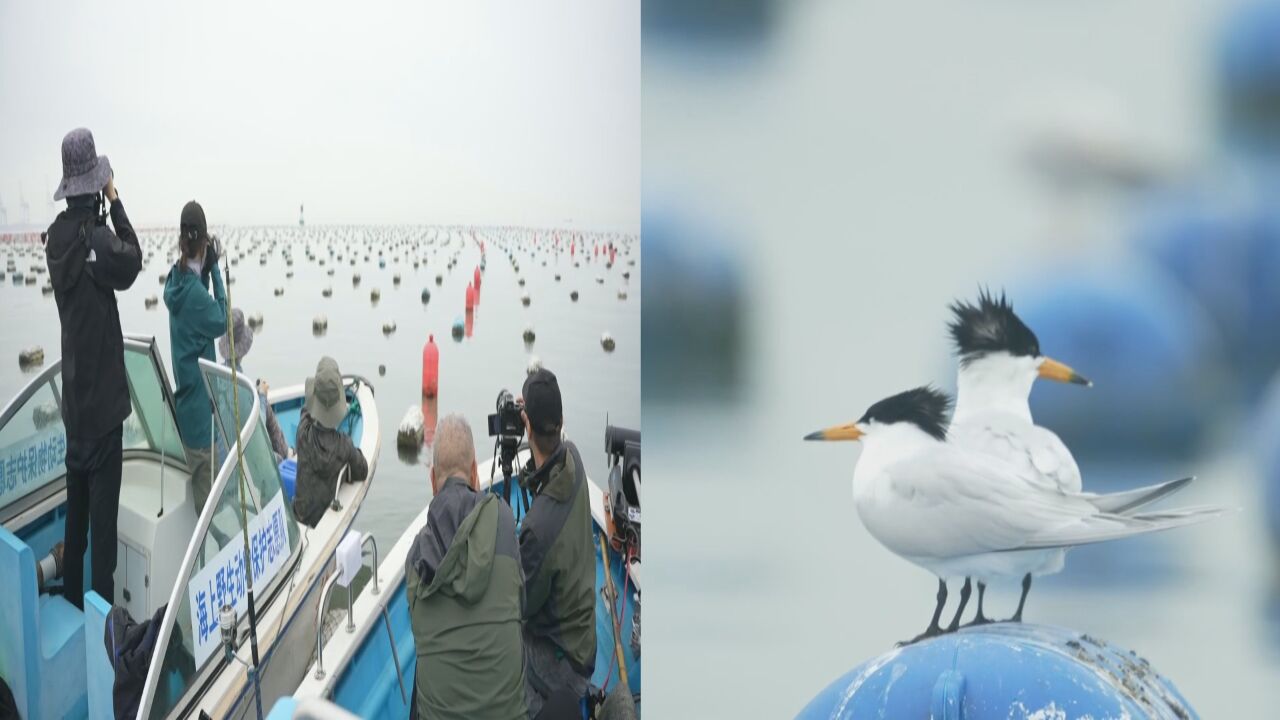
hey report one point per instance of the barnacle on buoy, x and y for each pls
(524, 299)
(574, 296)
(319, 324)
(279, 291)
(31, 357)
(395, 279)
(255, 321)
(426, 296)
(409, 434)
(151, 302)
(388, 327)
(375, 295)
(535, 364)
(327, 292)
(606, 342)
(355, 280)
(439, 279)
(557, 277)
(529, 335)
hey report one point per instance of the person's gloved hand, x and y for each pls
(212, 251)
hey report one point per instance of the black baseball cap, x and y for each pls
(542, 402)
(193, 220)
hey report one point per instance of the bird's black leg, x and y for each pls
(1026, 588)
(934, 629)
(964, 600)
(979, 618)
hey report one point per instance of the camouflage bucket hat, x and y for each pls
(84, 171)
(325, 400)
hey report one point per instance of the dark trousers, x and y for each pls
(93, 503)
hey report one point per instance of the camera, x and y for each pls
(623, 448)
(507, 425)
(507, 421)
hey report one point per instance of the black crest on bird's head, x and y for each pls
(990, 326)
(925, 407)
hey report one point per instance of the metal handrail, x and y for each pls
(386, 620)
(369, 539)
(320, 610)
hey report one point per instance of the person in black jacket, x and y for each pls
(88, 263)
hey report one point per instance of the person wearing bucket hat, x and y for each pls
(196, 319)
(88, 264)
(556, 553)
(243, 336)
(322, 449)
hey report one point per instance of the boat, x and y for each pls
(366, 667)
(52, 655)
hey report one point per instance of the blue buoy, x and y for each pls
(1147, 347)
(1006, 670)
(1225, 252)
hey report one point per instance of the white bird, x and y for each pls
(959, 513)
(999, 360)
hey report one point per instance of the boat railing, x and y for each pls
(350, 624)
(368, 540)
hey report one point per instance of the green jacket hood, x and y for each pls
(454, 554)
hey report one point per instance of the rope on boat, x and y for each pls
(244, 523)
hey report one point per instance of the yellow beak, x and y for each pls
(1051, 369)
(837, 432)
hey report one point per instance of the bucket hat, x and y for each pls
(84, 171)
(241, 333)
(325, 399)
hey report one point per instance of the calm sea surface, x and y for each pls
(597, 386)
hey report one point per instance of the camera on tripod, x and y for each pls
(507, 424)
(623, 448)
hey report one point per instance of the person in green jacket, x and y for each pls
(466, 593)
(558, 557)
(195, 321)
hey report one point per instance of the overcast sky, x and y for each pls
(438, 112)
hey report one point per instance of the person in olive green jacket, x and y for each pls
(558, 556)
(466, 593)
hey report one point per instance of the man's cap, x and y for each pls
(542, 401)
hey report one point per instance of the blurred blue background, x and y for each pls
(821, 179)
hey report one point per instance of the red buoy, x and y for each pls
(471, 297)
(477, 284)
(430, 367)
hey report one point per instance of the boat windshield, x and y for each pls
(213, 574)
(33, 439)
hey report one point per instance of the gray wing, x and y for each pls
(1033, 450)
(952, 501)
